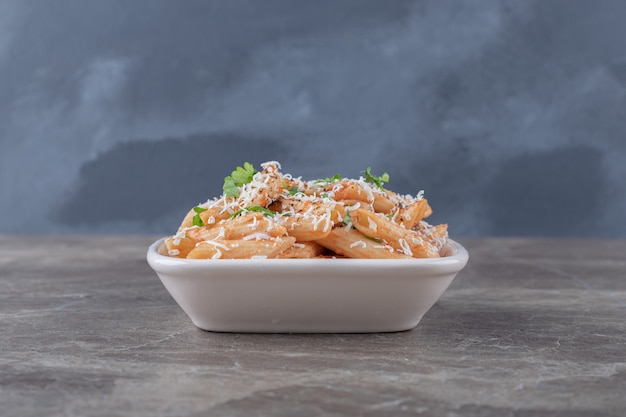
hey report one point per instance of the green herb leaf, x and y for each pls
(259, 209)
(294, 190)
(197, 221)
(237, 213)
(230, 188)
(243, 175)
(347, 220)
(378, 180)
(239, 177)
(334, 178)
(324, 195)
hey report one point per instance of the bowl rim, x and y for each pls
(446, 264)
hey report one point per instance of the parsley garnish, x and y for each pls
(197, 221)
(294, 190)
(259, 209)
(334, 178)
(237, 178)
(324, 195)
(347, 220)
(379, 181)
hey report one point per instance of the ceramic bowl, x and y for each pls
(307, 295)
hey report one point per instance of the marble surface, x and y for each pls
(530, 328)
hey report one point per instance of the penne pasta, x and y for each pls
(179, 247)
(411, 215)
(350, 190)
(436, 235)
(353, 244)
(382, 204)
(306, 229)
(237, 228)
(269, 214)
(302, 250)
(404, 241)
(238, 249)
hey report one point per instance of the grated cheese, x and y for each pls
(358, 243)
(405, 247)
(372, 224)
(257, 236)
(389, 248)
(214, 243)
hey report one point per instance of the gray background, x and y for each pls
(117, 116)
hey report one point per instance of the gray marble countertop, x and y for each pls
(531, 327)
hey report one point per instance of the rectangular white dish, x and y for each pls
(307, 295)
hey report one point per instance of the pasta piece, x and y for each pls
(420, 247)
(436, 235)
(179, 247)
(350, 205)
(337, 214)
(290, 205)
(377, 226)
(211, 215)
(306, 229)
(410, 216)
(353, 244)
(302, 250)
(241, 249)
(404, 241)
(243, 225)
(428, 212)
(382, 204)
(351, 190)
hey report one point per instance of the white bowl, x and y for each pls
(307, 295)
